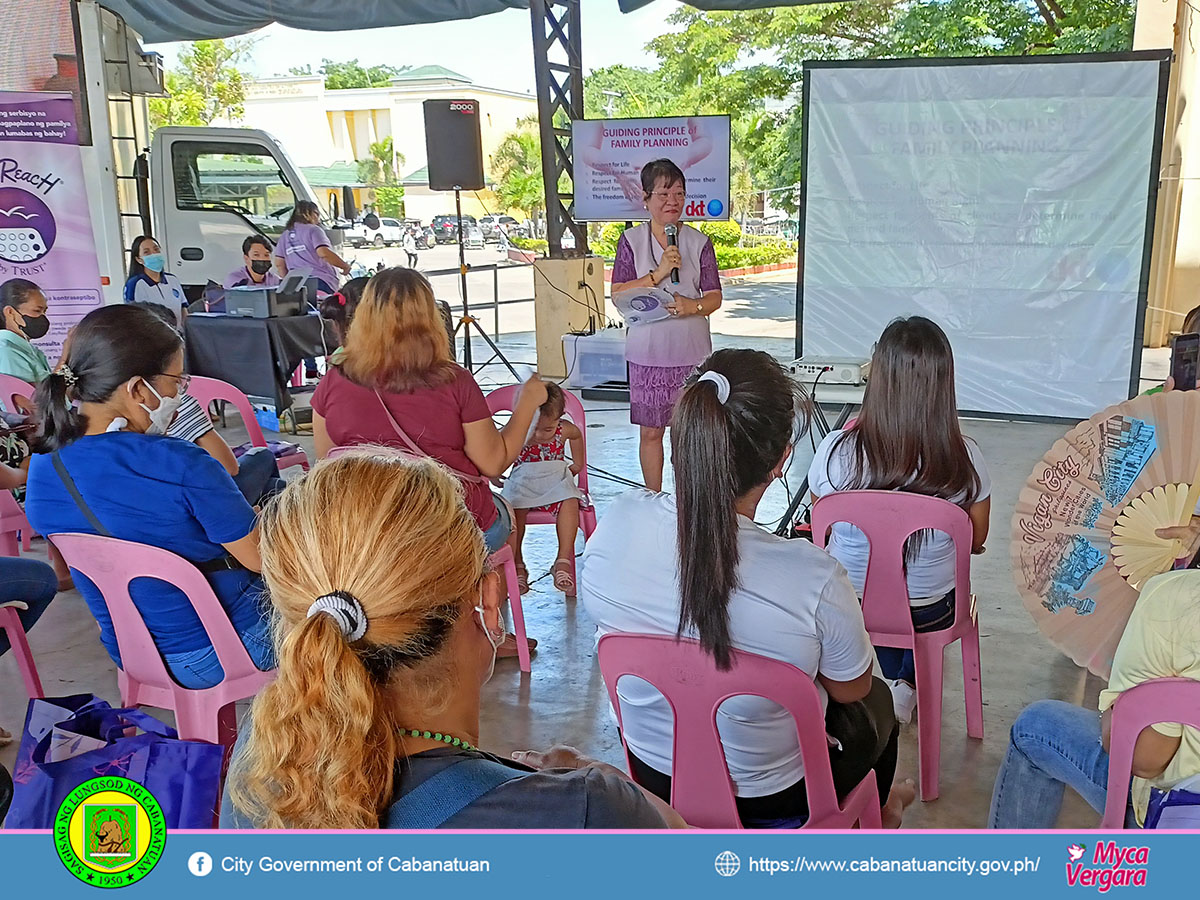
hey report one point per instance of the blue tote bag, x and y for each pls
(183, 776)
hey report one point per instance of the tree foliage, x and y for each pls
(341, 76)
(516, 170)
(207, 83)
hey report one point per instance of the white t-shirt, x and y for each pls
(794, 603)
(931, 574)
(168, 292)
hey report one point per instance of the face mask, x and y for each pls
(260, 266)
(162, 417)
(35, 327)
(155, 262)
(494, 641)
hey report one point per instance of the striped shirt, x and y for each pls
(191, 421)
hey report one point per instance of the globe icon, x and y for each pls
(727, 863)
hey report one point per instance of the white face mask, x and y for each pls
(161, 417)
(492, 639)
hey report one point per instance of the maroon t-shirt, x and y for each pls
(432, 417)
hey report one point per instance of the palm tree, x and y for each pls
(383, 162)
(517, 171)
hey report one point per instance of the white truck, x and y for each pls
(199, 191)
(389, 233)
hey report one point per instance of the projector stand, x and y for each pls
(468, 321)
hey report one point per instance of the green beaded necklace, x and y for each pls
(438, 736)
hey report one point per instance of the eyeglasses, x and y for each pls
(679, 196)
(184, 380)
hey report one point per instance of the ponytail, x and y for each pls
(58, 422)
(329, 728)
(721, 451)
(301, 211)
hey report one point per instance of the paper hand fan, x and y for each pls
(1083, 540)
(640, 306)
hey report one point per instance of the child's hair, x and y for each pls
(339, 308)
(556, 402)
(1191, 322)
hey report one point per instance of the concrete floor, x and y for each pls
(563, 699)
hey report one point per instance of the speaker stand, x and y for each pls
(468, 321)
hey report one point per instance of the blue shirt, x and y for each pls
(159, 491)
(167, 292)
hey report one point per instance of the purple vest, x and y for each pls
(670, 343)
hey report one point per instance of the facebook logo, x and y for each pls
(200, 864)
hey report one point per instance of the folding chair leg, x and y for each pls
(973, 683)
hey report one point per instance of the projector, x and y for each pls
(837, 369)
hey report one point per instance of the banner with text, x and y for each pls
(45, 230)
(610, 154)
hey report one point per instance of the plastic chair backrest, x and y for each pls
(111, 564)
(12, 387)
(205, 390)
(1172, 700)
(888, 519)
(505, 398)
(688, 678)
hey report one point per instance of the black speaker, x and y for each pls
(453, 146)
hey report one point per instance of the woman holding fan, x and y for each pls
(679, 259)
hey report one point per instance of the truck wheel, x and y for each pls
(378, 242)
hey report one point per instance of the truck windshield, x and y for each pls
(240, 177)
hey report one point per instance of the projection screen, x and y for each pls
(1009, 200)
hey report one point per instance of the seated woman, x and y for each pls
(397, 385)
(256, 474)
(25, 320)
(105, 466)
(1055, 744)
(907, 438)
(380, 667)
(695, 564)
(148, 281)
(257, 269)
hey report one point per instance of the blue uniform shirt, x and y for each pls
(159, 491)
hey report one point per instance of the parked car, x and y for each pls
(474, 239)
(491, 226)
(445, 228)
(390, 231)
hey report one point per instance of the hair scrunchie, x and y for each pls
(68, 376)
(345, 610)
(720, 382)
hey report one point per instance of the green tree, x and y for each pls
(389, 201)
(516, 169)
(622, 92)
(208, 83)
(349, 74)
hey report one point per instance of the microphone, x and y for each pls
(672, 231)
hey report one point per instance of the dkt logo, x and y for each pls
(698, 210)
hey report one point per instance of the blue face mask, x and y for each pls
(155, 262)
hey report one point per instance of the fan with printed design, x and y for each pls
(1083, 532)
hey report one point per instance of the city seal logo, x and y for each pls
(110, 832)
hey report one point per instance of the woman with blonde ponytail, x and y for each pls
(695, 565)
(373, 720)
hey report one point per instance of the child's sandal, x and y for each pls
(564, 579)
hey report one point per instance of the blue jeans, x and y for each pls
(200, 668)
(30, 581)
(258, 475)
(495, 536)
(896, 663)
(1052, 745)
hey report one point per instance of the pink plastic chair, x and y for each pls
(1149, 703)
(10, 622)
(11, 388)
(208, 390)
(888, 518)
(200, 715)
(688, 678)
(502, 400)
(14, 527)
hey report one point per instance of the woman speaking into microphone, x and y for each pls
(679, 259)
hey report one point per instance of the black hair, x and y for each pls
(16, 291)
(302, 210)
(256, 239)
(339, 308)
(110, 346)
(661, 170)
(135, 250)
(556, 401)
(159, 310)
(720, 452)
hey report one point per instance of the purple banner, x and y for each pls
(45, 230)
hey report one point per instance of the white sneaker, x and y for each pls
(904, 700)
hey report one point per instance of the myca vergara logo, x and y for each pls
(110, 832)
(1110, 866)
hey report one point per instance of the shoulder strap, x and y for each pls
(417, 451)
(437, 800)
(73, 490)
